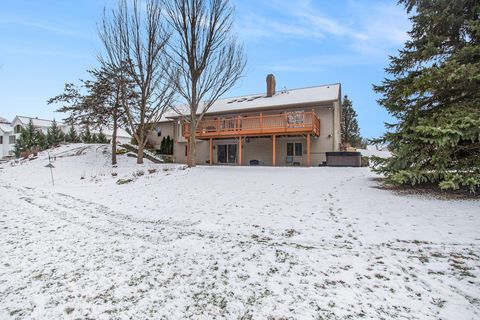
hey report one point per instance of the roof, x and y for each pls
(3, 120)
(36, 121)
(311, 95)
(6, 127)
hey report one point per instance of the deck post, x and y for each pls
(308, 150)
(240, 151)
(211, 151)
(274, 151)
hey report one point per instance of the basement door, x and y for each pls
(227, 153)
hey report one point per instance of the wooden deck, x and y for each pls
(288, 123)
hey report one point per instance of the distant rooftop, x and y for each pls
(37, 122)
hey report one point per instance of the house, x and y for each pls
(7, 138)
(276, 128)
(10, 131)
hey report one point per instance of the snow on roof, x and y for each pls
(3, 120)
(318, 94)
(6, 127)
(37, 122)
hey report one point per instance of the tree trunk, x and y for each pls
(191, 161)
(114, 140)
(141, 147)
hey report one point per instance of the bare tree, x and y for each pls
(135, 42)
(207, 58)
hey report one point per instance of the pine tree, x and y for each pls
(94, 138)
(101, 137)
(434, 95)
(71, 135)
(55, 135)
(86, 135)
(41, 140)
(29, 138)
(349, 124)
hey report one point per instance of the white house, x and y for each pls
(10, 131)
(7, 138)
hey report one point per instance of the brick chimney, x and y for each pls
(270, 85)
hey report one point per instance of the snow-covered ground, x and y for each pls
(228, 243)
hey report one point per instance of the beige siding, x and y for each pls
(261, 148)
(166, 129)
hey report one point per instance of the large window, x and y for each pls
(294, 149)
(18, 129)
(12, 139)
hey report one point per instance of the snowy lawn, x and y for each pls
(228, 243)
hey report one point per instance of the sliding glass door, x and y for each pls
(227, 153)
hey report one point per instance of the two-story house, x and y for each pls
(286, 127)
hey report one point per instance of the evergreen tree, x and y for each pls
(349, 124)
(71, 135)
(101, 137)
(162, 146)
(169, 145)
(434, 95)
(55, 135)
(41, 140)
(94, 138)
(86, 135)
(29, 138)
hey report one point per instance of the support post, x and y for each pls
(240, 151)
(211, 151)
(274, 150)
(308, 150)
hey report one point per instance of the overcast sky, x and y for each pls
(44, 44)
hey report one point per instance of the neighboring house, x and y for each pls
(7, 138)
(290, 127)
(10, 131)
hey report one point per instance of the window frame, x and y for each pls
(294, 149)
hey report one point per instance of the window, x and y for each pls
(294, 149)
(12, 139)
(1, 140)
(17, 129)
(298, 149)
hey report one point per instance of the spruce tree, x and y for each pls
(55, 135)
(349, 124)
(41, 140)
(101, 137)
(86, 135)
(94, 138)
(29, 138)
(71, 135)
(433, 93)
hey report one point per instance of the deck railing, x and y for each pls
(298, 122)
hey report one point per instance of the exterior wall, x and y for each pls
(166, 129)
(261, 148)
(6, 148)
